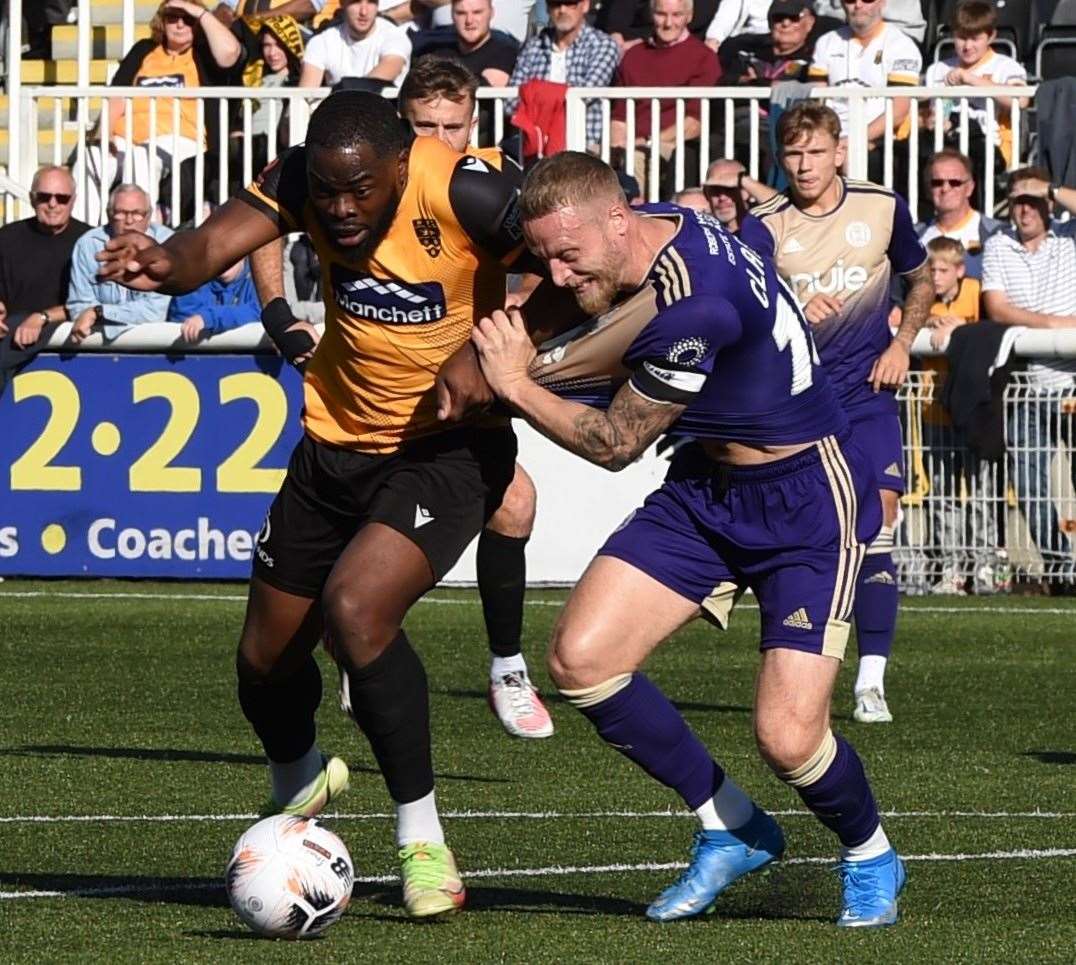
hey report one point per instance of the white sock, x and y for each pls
(295, 780)
(874, 847)
(499, 666)
(727, 810)
(871, 673)
(418, 821)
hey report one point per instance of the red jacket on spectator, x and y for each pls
(687, 63)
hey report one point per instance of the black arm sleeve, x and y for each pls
(485, 202)
(132, 60)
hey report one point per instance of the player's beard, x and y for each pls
(378, 230)
(603, 287)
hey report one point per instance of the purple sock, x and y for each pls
(876, 604)
(641, 723)
(841, 799)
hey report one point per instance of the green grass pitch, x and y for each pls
(117, 701)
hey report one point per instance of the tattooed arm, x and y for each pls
(612, 439)
(891, 367)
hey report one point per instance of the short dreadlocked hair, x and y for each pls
(351, 117)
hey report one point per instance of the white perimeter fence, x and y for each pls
(211, 131)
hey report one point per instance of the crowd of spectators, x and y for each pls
(543, 46)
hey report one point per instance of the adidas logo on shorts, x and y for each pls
(799, 620)
(892, 469)
(882, 577)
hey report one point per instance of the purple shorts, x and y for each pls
(794, 531)
(880, 436)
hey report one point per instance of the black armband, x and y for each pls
(277, 319)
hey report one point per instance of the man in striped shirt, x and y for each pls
(1029, 278)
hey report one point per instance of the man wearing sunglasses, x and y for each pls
(1029, 278)
(35, 259)
(952, 187)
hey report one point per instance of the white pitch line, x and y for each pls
(1025, 854)
(495, 816)
(458, 601)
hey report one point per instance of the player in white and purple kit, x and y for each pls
(837, 243)
(693, 333)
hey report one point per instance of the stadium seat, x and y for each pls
(106, 42)
(1063, 15)
(1055, 55)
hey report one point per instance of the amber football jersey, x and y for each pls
(394, 317)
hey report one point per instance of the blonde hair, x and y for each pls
(564, 180)
(803, 119)
(948, 250)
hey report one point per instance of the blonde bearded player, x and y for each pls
(438, 100)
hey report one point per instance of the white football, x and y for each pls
(289, 877)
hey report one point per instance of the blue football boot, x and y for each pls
(870, 891)
(718, 858)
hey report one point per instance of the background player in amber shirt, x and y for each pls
(438, 100)
(379, 499)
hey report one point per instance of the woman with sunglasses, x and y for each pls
(188, 48)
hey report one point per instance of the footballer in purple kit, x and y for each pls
(836, 242)
(693, 333)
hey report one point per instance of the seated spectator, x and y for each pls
(104, 305)
(672, 57)
(784, 54)
(960, 483)
(274, 60)
(224, 303)
(1029, 278)
(569, 51)
(692, 198)
(629, 22)
(730, 191)
(487, 53)
(976, 64)
(509, 16)
(869, 52)
(735, 18)
(188, 48)
(361, 45)
(951, 187)
(35, 264)
(907, 15)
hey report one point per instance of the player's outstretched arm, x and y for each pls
(189, 258)
(612, 439)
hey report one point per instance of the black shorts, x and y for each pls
(438, 491)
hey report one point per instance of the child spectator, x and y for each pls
(976, 64)
(956, 297)
(224, 303)
(955, 473)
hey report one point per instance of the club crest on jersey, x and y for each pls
(858, 234)
(428, 232)
(389, 302)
